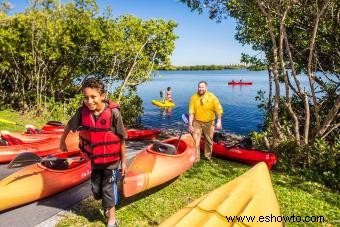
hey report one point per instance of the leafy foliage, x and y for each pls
(48, 49)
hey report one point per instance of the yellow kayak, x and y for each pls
(166, 103)
(250, 196)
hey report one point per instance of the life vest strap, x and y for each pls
(93, 145)
(83, 128)
(93, 156)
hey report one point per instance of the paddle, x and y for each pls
(185, 121)
(10, 122)
(28, 158)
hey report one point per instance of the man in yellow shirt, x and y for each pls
(203, 108)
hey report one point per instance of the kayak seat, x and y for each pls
(164, 148)
(59, 164)
(55, 123)
(74, 164)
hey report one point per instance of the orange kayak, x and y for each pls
(243, 201)
(37, 181)
(156, 165)
(41, 147)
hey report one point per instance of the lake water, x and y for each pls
(241, 114)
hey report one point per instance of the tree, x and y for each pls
(284, 32)
(47, 50)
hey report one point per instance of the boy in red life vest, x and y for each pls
(102, 139)
(168, 94)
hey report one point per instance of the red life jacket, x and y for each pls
(96, 138)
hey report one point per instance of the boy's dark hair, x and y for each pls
(93, 83)
(168, 89)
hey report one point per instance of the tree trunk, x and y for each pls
(309, 67)
(329, 118)
(288, 104)
(126, 79)
(276, 132)
(270, 94)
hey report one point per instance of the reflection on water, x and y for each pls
(241, 114)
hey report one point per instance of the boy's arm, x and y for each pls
(62, 145)
(123, 156)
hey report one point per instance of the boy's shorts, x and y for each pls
(104, 186)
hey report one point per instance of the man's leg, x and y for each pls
(208, 132)
(197, 138)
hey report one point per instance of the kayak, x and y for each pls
(159, 163)
(41, 147)
(145, 134)
(15, 138)
(242, 155)
(50, 127)
(37, 181)
(250, 195)
(133, 134)
(166, 103)
(239, 83)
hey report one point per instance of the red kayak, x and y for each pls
(133, 134)
(239, 83)
(41, 146)
(146, 134)
(247, 156)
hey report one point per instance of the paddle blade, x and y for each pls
(24, 159)
(7, 121)
(185, 119)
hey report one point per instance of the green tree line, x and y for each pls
(203, 67)
(47, 50)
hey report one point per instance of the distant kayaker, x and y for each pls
(162, 96)
(168, 94)
(204, 106)
(102, 140)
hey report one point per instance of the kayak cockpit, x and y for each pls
(169, 147)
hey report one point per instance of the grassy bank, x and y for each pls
(296, 196)
(15, 117)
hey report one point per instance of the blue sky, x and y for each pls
(201, 41)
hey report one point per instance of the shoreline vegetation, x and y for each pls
(213, 67)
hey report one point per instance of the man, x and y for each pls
(203, 108)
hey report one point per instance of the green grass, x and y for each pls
(15, 117)
(296, 196)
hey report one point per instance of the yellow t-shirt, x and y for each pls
(205, 107)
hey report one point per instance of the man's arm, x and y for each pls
(191, 120)
(219, 121)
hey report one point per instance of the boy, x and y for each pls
(102, 140)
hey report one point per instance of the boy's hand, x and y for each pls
(62, 146)
(124, 168)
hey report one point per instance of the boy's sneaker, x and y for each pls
(113, 225)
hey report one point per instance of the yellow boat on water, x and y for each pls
(160, 103)
(249, 197)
